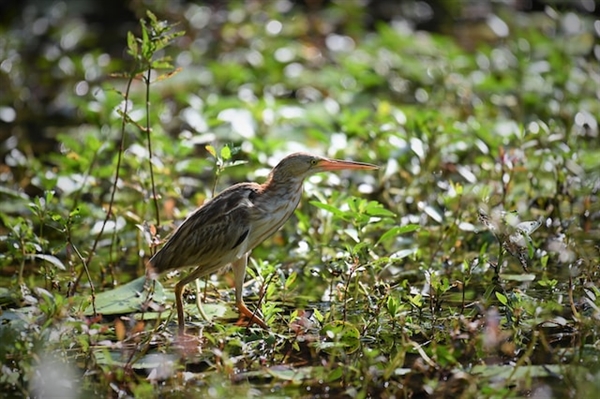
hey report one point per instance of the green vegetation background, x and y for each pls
(468, 266)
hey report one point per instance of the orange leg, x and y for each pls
(239, 273)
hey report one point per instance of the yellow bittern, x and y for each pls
(226, 228)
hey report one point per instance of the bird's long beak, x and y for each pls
(336, 164)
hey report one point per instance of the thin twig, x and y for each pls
(149, 141)
(113, 191)
(347, 287)
(85, 268)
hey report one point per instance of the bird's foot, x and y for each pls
(245, 321)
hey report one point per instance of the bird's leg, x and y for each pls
(199, 301)
(179, 303)
(239, 273)
(179, 297)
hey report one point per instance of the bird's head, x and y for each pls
(300, 165)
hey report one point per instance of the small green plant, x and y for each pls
(513, 236)
(223, 160)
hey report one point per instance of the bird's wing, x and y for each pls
(213, 235)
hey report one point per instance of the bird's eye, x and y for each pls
(313, 162)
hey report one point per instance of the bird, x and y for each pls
(226, 228)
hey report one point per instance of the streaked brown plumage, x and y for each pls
(226, 228)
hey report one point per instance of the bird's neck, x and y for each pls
(287, 182)
(289, 188)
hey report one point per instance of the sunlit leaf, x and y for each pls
(518, 277)
(318, 315)
(291, 280)
(132, 44)
(109, 227)
(353, 234)
(51, 259)
(211, 150)
(528, 227)
(376, 209)
(226, 153)
(161, 64)
(235, 163)
(433, 213)
(396, 231)
(501, 298)
(291, 374)
(329, 208)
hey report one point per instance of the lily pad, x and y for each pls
(536, 371)
(128, 298)
(123, 358)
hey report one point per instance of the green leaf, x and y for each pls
(375, 208)
(416, 300)
(502, 298)
(290, 280)
(398, 230)
(127, 298)
(132, 45)
(57, 217)
(499, 372)
(523, 277)
(318, 315)
(353, 234)
(335, 374)
(151, 17)
(147, 48)
(51, 259)
(226, 153)
(330, 208)
(291, 374)
(341, 335)
(117, 358)
(403, 253)
(161, 64)
(392, 306)
(235, 163)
